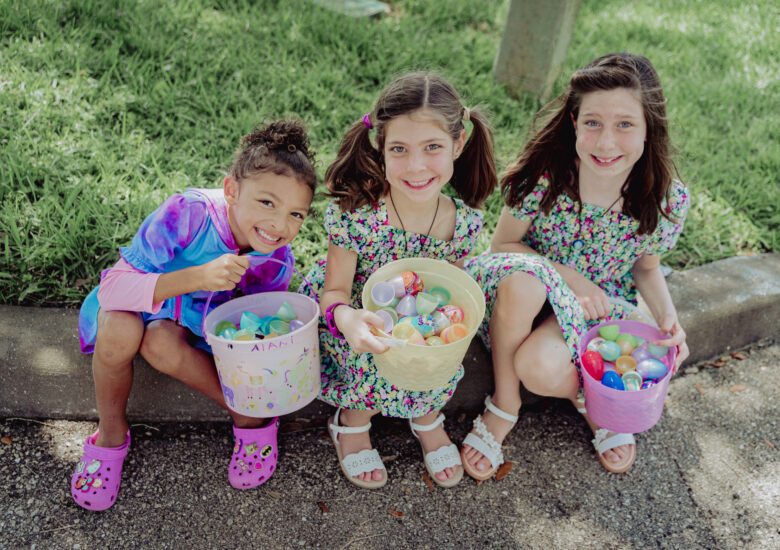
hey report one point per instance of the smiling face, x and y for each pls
(611, 131)
(266, 210)
(419, 156)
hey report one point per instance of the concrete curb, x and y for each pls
(724, 305)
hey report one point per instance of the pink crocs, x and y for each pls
(254, 455)
(95, 483)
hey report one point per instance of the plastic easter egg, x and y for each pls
(434, 341)
(639, 341)
(382, 293)
(632, 380)
(387, 320)
(286, 312)
(454, 333)
(295, 324)
(405, 331)
(640, 354)
(228, 334)
(279, 327)
(441, 294)
(453, 313)
(629, 338)
(412, 282)
(624, 364)
(407, 306)
(265, 323)
(244, 334)
(399, 288)
(224, 325)
(594, 343)
(612, 380)
(657, 351)
(422, 324)
(609, 350)
(609, 332)
(426, 303)
(440, 321)
(625, 347)
(249, 321)
(391, 312)
(648, 384)
(651, 368)
(592, 362)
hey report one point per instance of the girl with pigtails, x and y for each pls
(386, 184)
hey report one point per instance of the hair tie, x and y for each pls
(367, 120)
(466, 114)
(291, 147)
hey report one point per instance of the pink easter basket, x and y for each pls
(626, 411)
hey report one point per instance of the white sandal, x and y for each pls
(362, 462)
(484, 442)
(602, 443)
(436, 461)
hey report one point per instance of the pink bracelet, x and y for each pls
(330, 321)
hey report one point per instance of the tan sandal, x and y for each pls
(484, 442)
(358, 463)
(603, 443)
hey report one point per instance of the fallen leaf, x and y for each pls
(768, 442)
(725, 357)
(427, 480)
(738, 355)
(78, 283)
(323, 507)
(389, 458)
(288, 427)
(273, 494)
(7, 440)
(700, 389)
(719, 363)
(395, 513)
(737, 388)
(504, 470)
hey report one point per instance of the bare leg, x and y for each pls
(165, 347)
(354, 443)
(118, 339)
(519, 298)
(544, 365)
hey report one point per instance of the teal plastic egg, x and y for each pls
(609, 350)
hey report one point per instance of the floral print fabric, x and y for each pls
(350, 379)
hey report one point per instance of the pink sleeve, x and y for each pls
(125, 288)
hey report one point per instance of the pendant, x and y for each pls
(577, 244)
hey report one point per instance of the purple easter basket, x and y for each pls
(626, 411)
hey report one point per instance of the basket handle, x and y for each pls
(632, 308)
(264, 259)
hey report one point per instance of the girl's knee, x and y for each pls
(542, 367)
(520, 290)
(159, 347)
(118, 337)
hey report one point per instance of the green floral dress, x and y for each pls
(350, 379)
(600, 244)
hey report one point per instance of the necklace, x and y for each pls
(578, 243)
(397, 215)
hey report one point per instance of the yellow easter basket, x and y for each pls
(423, 368)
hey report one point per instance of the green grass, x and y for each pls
(107, 107)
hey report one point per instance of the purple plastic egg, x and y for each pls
(407, 306)
(651, 368)
(295, 324)
(640, 354)
(648, 384)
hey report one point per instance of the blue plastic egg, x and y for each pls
(651, 368)
(609, 350)
(657, 351)
(612, 380)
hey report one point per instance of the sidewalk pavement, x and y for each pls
(706, 476)
(724, 305)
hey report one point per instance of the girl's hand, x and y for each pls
(593, 300)
(671, 325)
(224, 273)
(355, 325)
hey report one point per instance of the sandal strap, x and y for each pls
(485, 443)
(443, 457)
(365, 461)
(426, 427)
(603, 443)
(499, 413)
(347, 429)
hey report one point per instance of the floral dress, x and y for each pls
(350, 379)
(600, 244)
